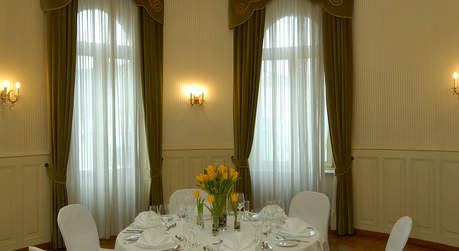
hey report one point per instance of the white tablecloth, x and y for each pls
(205, 237)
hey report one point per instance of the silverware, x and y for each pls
(133, 231)
(265, 246)
(175, 248)
(171, 226)
(178, 237)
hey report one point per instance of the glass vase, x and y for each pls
(237, 223)
(215, 224)
(220, 200)
(199, 219)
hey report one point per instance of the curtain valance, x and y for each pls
(241, 10)
(154, 8)
(338, 8)
(48, 5)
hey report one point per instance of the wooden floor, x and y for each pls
(350, 243)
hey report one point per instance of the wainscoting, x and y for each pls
(182, 165)
(422, 184)
(24, 201)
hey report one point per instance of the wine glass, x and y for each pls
(241, 202)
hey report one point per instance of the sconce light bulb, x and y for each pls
(455, 75)
(6, 84)
(18, 85)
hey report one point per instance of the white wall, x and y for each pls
(405, 136)
(198, 48)
(24, 186)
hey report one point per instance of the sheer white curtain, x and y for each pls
(290, 151)
(108, 164)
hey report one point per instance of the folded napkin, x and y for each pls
(148, 219)
(155, 239)
(238, 241)
(295, 228)
(273, 212)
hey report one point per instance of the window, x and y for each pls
(108, 161)
(290, 149)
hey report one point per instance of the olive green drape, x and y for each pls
(152, 89)
(337, 37)
(248, 46)
(61, 43)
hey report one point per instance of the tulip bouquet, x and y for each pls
(218, 183)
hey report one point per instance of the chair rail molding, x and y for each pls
(422, 184)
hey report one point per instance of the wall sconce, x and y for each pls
(455, 87)
(8, 94)
(196, 95)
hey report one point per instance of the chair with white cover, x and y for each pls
(313, 208)
(399, 234)
(184, 197)
(35, 249)
(78, 229)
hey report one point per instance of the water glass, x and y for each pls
(162, 209)
(246, 210)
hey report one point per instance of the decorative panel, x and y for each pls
(25, 208)
(421, 184)
(421, 195)
(392, 170)
(365, 190)
(449, 199)
(8, 207)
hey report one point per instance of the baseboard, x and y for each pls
(44, 246)
(413, 241)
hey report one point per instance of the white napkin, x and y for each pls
(155, 239)
(148, 219)
(238, 241)
(273, 212)
(295, 228)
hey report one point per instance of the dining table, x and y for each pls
(191, 237)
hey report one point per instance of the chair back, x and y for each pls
(78, 228)
(184, 197)
(35, 249)
(399, 234)
(314, 208)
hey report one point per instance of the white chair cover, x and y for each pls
(314, 208)
(184, 197)
(399, 234)
(78, 228)
(35, 249)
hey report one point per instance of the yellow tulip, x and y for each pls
(212, 175)
(211, 198)
(200, 178)
(210, 168)
(196, 193)
(221, 169)
(234, 174)
(234, 197)
(224, 175)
